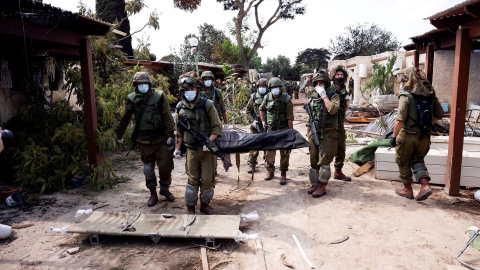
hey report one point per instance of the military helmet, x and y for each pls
(186, 82)
(275, 81)
(321, 76)
(142, 77)
(208, 73)
(342, 69)
(262, 81)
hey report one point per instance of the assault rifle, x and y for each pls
(313, 125)
(205, 142)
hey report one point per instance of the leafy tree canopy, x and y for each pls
(313, 58)
(280, 66)
(363, 40)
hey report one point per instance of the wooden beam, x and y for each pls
(379, 59)
(89, 106)
(429, 63)
(461, 72)
(29, 31)
(410, 53)
(452, 21)
(351, 65)
(416, 59)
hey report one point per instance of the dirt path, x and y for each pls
(384, 230)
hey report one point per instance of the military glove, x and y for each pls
(177, 154)
(321, 91)
(170, 141)
(225, 127)
(205, 149)
(393, 141)
(254, 124)
(120, 140)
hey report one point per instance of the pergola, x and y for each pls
(29, 27)
(458, 29)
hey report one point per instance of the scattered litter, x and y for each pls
(239, 236)
(81, 212)
(343, 239)
(285, 262)
(62, 230)
(303, 252)
(250, 216)
(477, 195)
(5, 231)
(72, 251)
(21, 226)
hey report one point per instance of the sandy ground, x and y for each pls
(384, 230)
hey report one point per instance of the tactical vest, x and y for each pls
(215, 95)
(257, 100)
(197, 119)
(317, 104)
(342, 93)
(412, 112)
(277, 111)
(152, 117)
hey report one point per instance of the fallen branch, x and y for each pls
(285, 262)
(220, 262)
(96, 208)
(178, 249)
(21, 226)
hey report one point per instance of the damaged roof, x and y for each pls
(37, 13)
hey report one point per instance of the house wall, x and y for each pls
(10, 104)
(443, 65)
(359, 83)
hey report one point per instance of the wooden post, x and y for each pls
(89, 106)
(416, 59)
(461, 71)
(429, 63)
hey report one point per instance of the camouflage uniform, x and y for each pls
(202, 118)
(253, 110)
(278, 112)
(155, 128)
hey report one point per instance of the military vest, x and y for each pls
(342, 93)
(277, 111)
(317, 104)
(412, 113)
(152, 117)
(215, 95)
(196, 118)
(257, 100)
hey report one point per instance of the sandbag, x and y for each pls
(239, 142)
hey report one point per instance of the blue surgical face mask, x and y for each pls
(253, 85)
(143, 88)
(276, 91)
(262, 90)
(208, 83)
(190, 95)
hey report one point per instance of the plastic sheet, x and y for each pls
(62, 230)
(81, 212)
(250, 216)
(242, 237)
(239, 142)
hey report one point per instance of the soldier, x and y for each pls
(253, 109)
(200, 115)
(278, 108)
(322, 102)
(215, 95)
(155, 126)
(340, 77)
(289, 87)
(254, 86)
(351, 86)
(418, 109)
(296, 88)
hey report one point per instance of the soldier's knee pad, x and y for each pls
(149, 170)
(313, 175)
(324, 174)
(420, 170)
(206, 195)
(191, 195)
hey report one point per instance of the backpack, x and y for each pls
(423, 105)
